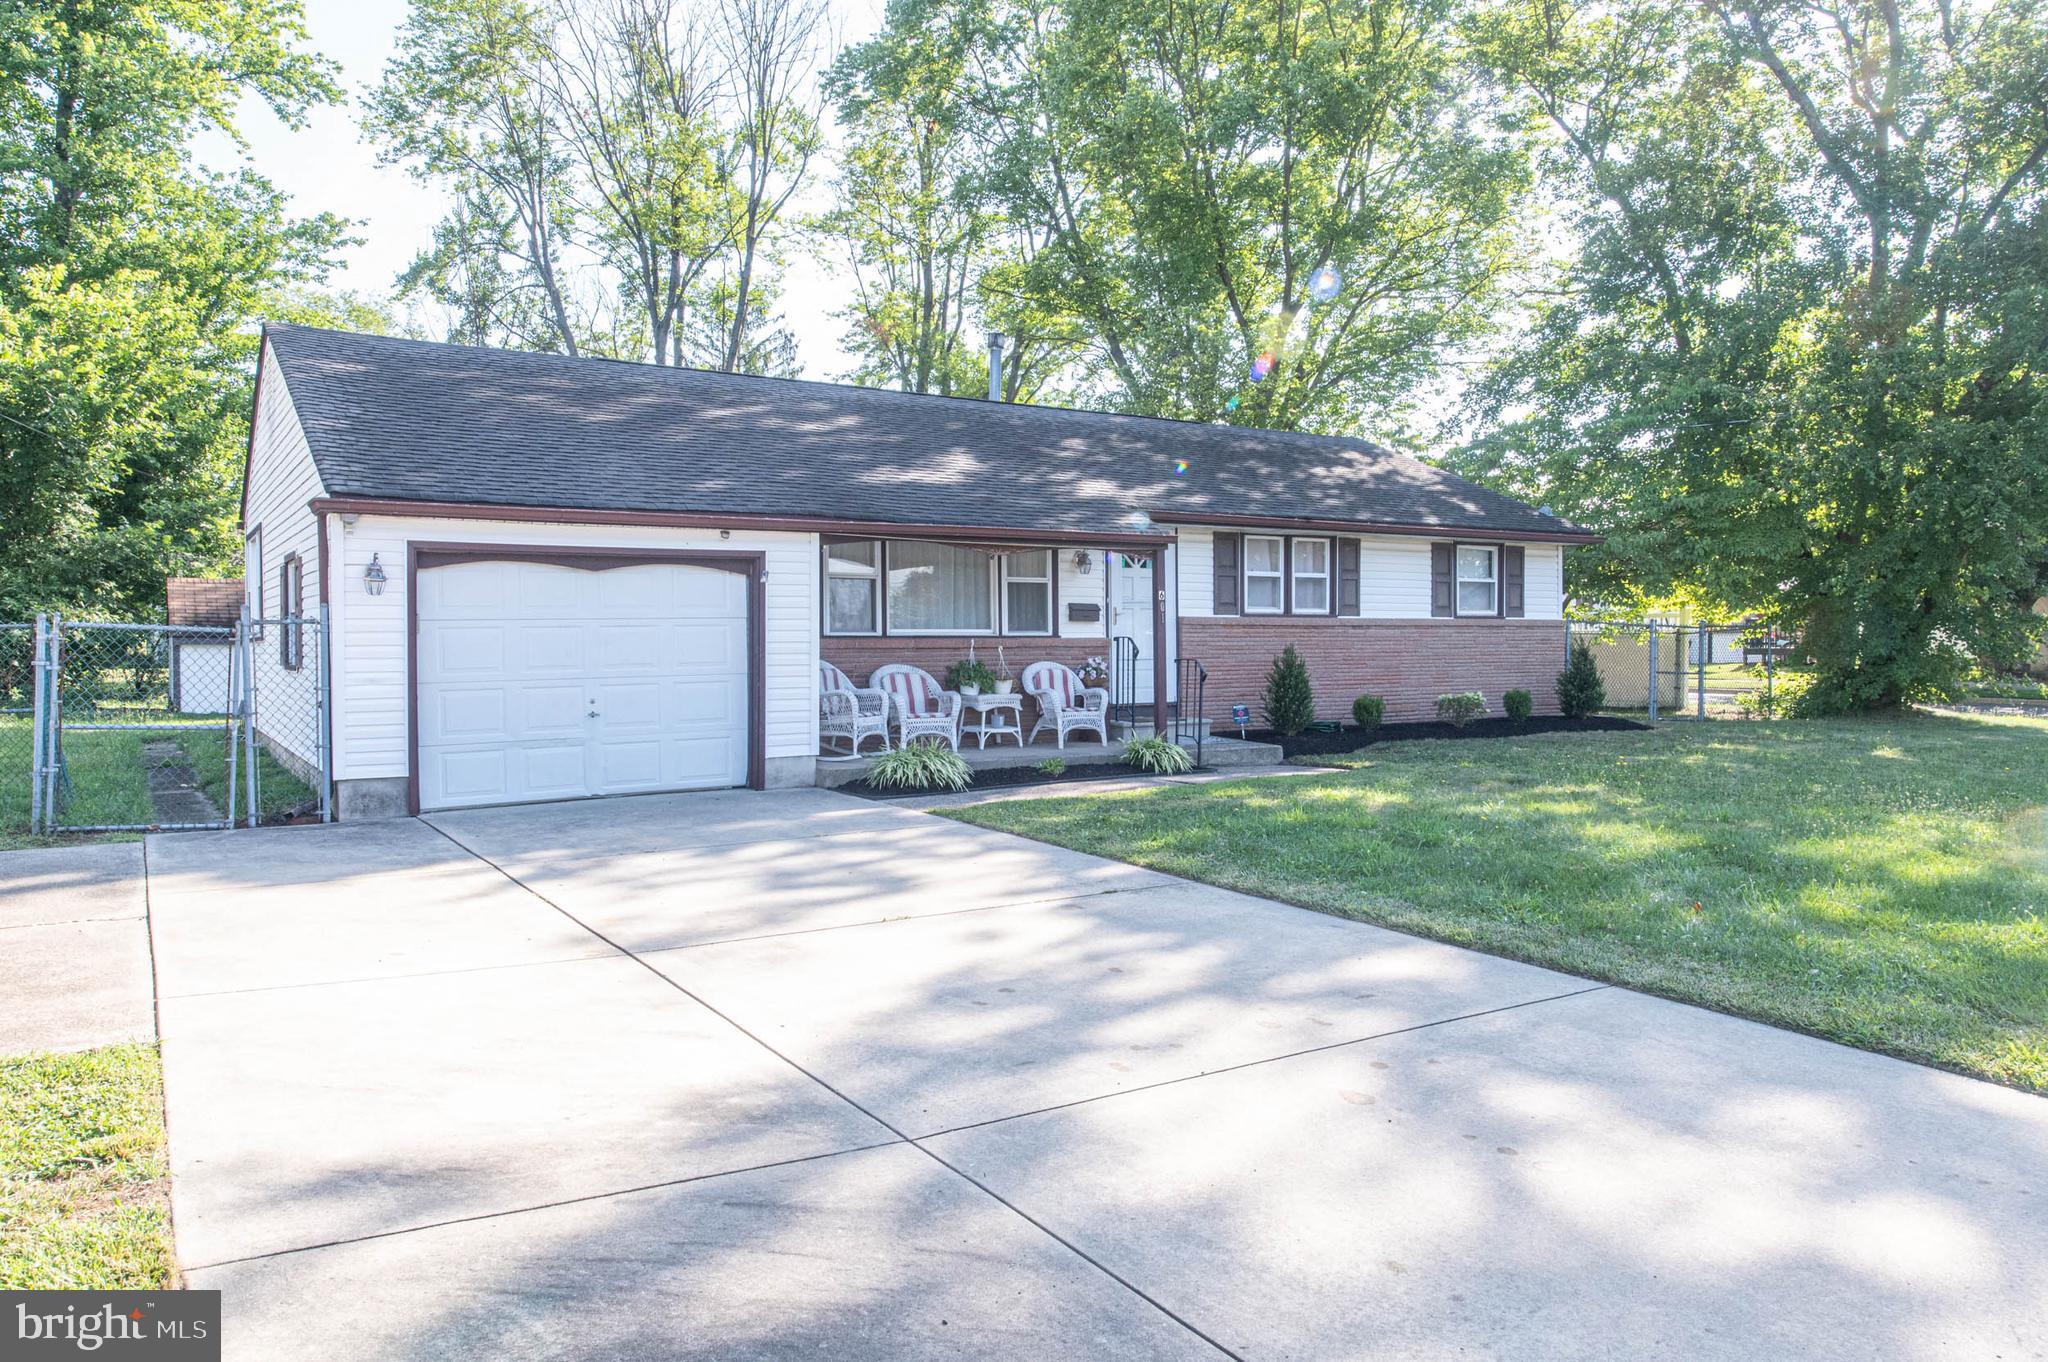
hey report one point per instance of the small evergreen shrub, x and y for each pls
(1290, 702)
(970, 672)
(1518, 705)
(920, 766)
(1158, 756)
(1051, 766)
(1460, 708)
(1579, 689)
(1367, 711)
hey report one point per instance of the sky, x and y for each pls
(326, 167)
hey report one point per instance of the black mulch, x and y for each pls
(1000, 777)
(1351, 738)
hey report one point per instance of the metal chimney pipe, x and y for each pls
(995, 366)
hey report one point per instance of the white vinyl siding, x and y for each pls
(370, 738)
(1393, 576)
(1089, 586)
(1543, 582)
(282, 480)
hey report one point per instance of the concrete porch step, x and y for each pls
(1216, 753)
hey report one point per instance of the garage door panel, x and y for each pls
(624, 647)
(541, 681)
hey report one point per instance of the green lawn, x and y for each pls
(110, 776)
(1880, 882)
(84, 1192)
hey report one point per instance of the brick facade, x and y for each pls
(858, 657)
(1408, 662)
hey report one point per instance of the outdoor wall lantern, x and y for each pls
(1084, 562)
(373, 577)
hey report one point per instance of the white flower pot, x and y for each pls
(1005, 687)
(966, 689)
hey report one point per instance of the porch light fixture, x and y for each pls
(373, 577)
(1084, 562)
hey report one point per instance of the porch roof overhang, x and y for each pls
(992, 536)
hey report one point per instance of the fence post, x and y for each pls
(249, 716)
(35, 768)
(1653, 673)
(1700, 668)
(1770, 652)
(322, 724)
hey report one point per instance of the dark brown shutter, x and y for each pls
(1228, 558)
(1347, 577)
(1287, 576)
(1443, 563)
(1511, 582)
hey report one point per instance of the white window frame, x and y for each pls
(291, 589)
(1459, 579)
(1052, 568)
(1279, 575)
(1328, 576)
(995, 602)
(871, 574)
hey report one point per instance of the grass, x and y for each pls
(84, 1200)
(110, 776)
(1879, 882)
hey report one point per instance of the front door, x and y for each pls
(1130, 616)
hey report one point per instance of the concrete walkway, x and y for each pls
(753, 1076)
(74, 948)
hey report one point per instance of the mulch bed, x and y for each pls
(1351, 738)
(1003, 777)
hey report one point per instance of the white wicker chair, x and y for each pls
(1064, 704)
(921, 707)
(849, 713)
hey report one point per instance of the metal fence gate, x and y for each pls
(150, 727)
(1685, 671)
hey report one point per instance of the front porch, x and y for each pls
(1217, 753)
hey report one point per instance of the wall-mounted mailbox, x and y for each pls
(1084, 612)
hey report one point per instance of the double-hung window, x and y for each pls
(1311, 576)
(1265, 574)
(1478, 580)
(1027, 592)
(291, 639)
(940, 589)
(853, 587)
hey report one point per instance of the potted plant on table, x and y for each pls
(970, 677)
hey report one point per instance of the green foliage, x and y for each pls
(1579, 689)
(1290, 704)
(1158, 756)
(920, 766)
(1051, 766)
(1794, 363)
(970, 672)
(128, 281)
(1460, 708)
(1368, 710)
(1518, 705)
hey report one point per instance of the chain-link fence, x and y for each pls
(140, 726)
(1686, 671)
(17, 717)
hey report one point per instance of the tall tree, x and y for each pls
(1796, 362)
(1278, 214)
(771, 48)
(465, 104)
(128, 277)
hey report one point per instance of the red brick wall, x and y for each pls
(1408, 662)
(858, 657)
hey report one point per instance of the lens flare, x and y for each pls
(1324, 283)
(1138, 520)
(1231, 405)
(1262, 366)
(1180, 467)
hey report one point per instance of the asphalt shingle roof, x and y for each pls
(418, 421)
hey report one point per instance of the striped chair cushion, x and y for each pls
(1052, 676)
(913, 691)
(831, 678)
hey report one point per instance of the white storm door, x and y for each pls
(540, 681)
(1130, 616)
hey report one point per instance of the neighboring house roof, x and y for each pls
(203, 602)
(417, 421)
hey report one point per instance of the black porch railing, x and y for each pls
(1191, 713)
(1123, 679)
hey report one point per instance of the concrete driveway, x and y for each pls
(746, 1075)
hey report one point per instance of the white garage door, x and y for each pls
(541, 681)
